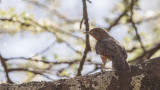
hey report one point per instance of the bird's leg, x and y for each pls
(103, 63)
(102, 68)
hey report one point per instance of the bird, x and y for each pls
(109, 49)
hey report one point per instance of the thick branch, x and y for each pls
(144, 76)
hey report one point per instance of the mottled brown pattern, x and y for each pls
(110, 49)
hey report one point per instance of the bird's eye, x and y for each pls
(96, 30)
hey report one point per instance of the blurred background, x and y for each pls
(41, 40)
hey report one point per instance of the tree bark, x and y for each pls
(144, 76)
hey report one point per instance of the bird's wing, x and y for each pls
(123, 51)
(106, 47)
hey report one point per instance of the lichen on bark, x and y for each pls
(136, 81)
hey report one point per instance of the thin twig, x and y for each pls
(51, 10)
(44, 50)
(73, 48)
(59, 37)
(68, 44)
(76, 61)
(51, 27)
(131, 50)
(80, 26)
(134, 26)
(89, 1)
(46, 62)
(3, 61)
(12, 20)
(117, 20)
(6, 70)
(146, 55)
(32, 71)
(31, 58)
(87, 48)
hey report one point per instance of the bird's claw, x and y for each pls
(102, 71)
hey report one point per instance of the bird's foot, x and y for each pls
(102, 71)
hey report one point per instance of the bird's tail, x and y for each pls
(120, 64)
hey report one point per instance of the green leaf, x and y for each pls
(59, 40)
(127, 39)
(43, 58)
(55, 56)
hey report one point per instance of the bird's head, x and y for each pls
(98, 33)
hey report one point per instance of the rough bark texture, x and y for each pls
(144, 76)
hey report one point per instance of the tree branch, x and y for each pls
(117, 20)
(132, 49)
(146, 55)
(87, 48)
(3, 61)
(134, 26)
(53, 11)
(28, 70)
(144, 76)
(50, 29)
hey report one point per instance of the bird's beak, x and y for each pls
(87, 32)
